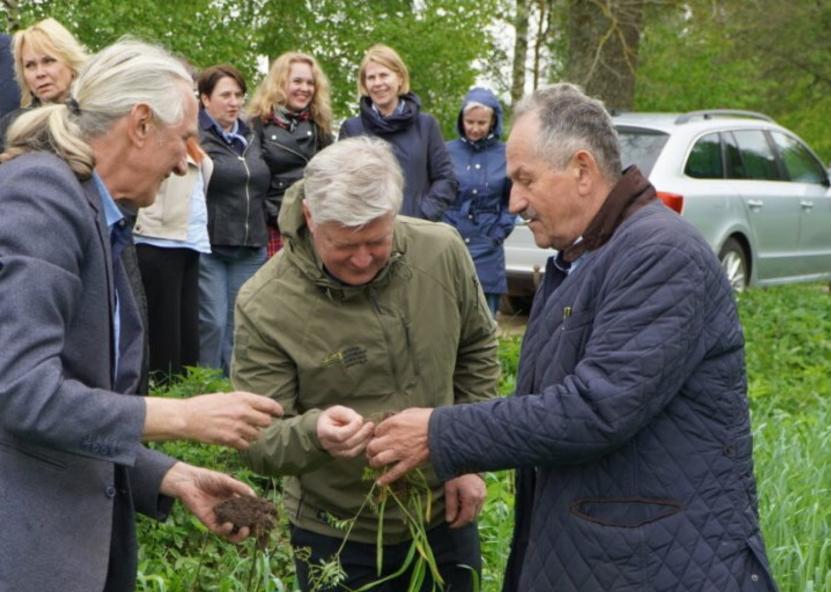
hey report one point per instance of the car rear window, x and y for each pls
(640, 147)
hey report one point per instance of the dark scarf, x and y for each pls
(632, 192)
(286, 119)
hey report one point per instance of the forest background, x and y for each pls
(645, 55)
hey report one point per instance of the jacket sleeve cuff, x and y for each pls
(145, 481)
(440, 455)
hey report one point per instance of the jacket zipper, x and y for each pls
(287, 149)
(247, 193)
(373, 297)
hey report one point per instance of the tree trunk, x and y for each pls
(520, 50)
(543, 10)
(603, 48)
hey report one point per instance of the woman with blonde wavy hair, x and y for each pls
(291, 113)
(47, 59)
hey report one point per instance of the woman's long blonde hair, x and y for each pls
(271, 92)
(50, 37)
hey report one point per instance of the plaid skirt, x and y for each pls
(275, 241)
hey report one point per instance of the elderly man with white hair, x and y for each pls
(73, 470)
(362, 314)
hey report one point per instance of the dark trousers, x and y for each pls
(453, 548)
(171, 282)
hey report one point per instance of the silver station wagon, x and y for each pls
(758, 194)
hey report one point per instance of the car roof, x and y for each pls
(694, 121)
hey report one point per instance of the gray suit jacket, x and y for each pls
(63, 424)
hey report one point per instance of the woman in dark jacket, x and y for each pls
(236, 218)
(391, 112)
(480, 213)
(292, 116)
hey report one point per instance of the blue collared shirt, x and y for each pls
(235, 135)
(119, 237)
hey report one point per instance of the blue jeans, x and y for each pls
(221, 275)
(493, 302)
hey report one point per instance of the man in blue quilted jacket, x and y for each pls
(629, 429)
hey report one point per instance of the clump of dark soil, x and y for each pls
(256, 513)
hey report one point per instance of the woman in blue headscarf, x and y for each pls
(480, 212)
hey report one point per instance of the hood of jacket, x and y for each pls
(300, 251)
(488, 99)
(375, 124)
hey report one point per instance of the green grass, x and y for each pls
(788, 354)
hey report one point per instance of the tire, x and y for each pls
(733, 259)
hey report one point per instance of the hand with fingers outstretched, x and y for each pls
(228, 419)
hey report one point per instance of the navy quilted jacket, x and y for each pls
(630, 427)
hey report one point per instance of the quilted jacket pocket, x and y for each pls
(624, 512)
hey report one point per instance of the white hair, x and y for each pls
(106, 89)
(353, 182)
(571, 121)
(476, 105)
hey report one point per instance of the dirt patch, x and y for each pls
(256, 513)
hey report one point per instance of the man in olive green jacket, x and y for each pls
(362, 314)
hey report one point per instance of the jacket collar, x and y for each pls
(632, 192)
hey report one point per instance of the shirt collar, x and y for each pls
(112, 215)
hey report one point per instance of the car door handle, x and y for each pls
(755, 203)
(806, 205)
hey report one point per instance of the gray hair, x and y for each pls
(108, 86)
(353, 182)
(476, 105)
(571, 121)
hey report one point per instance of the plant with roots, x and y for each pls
(413, 496)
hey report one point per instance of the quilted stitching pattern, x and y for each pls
(640, 392)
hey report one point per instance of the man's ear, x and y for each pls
(139, 123)
(585, 171)
(308, 216)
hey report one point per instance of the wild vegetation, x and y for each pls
(646, 55)
(788, 352)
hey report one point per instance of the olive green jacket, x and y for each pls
(418, 335)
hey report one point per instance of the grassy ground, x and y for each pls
(788, 334)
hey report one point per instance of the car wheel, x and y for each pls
(734, 263)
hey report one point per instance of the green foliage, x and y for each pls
(439, 41)
(788, 356)
(764, 55)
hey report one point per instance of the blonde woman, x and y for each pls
(390, 111)
(47, 59)
(290, 112)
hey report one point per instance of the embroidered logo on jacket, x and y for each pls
(351, 356)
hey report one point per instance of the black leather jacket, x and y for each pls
(237, 189)
(287, 152)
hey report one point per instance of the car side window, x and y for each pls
(757, 156)
(734, 167)
(800, 164)
(705, 161)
